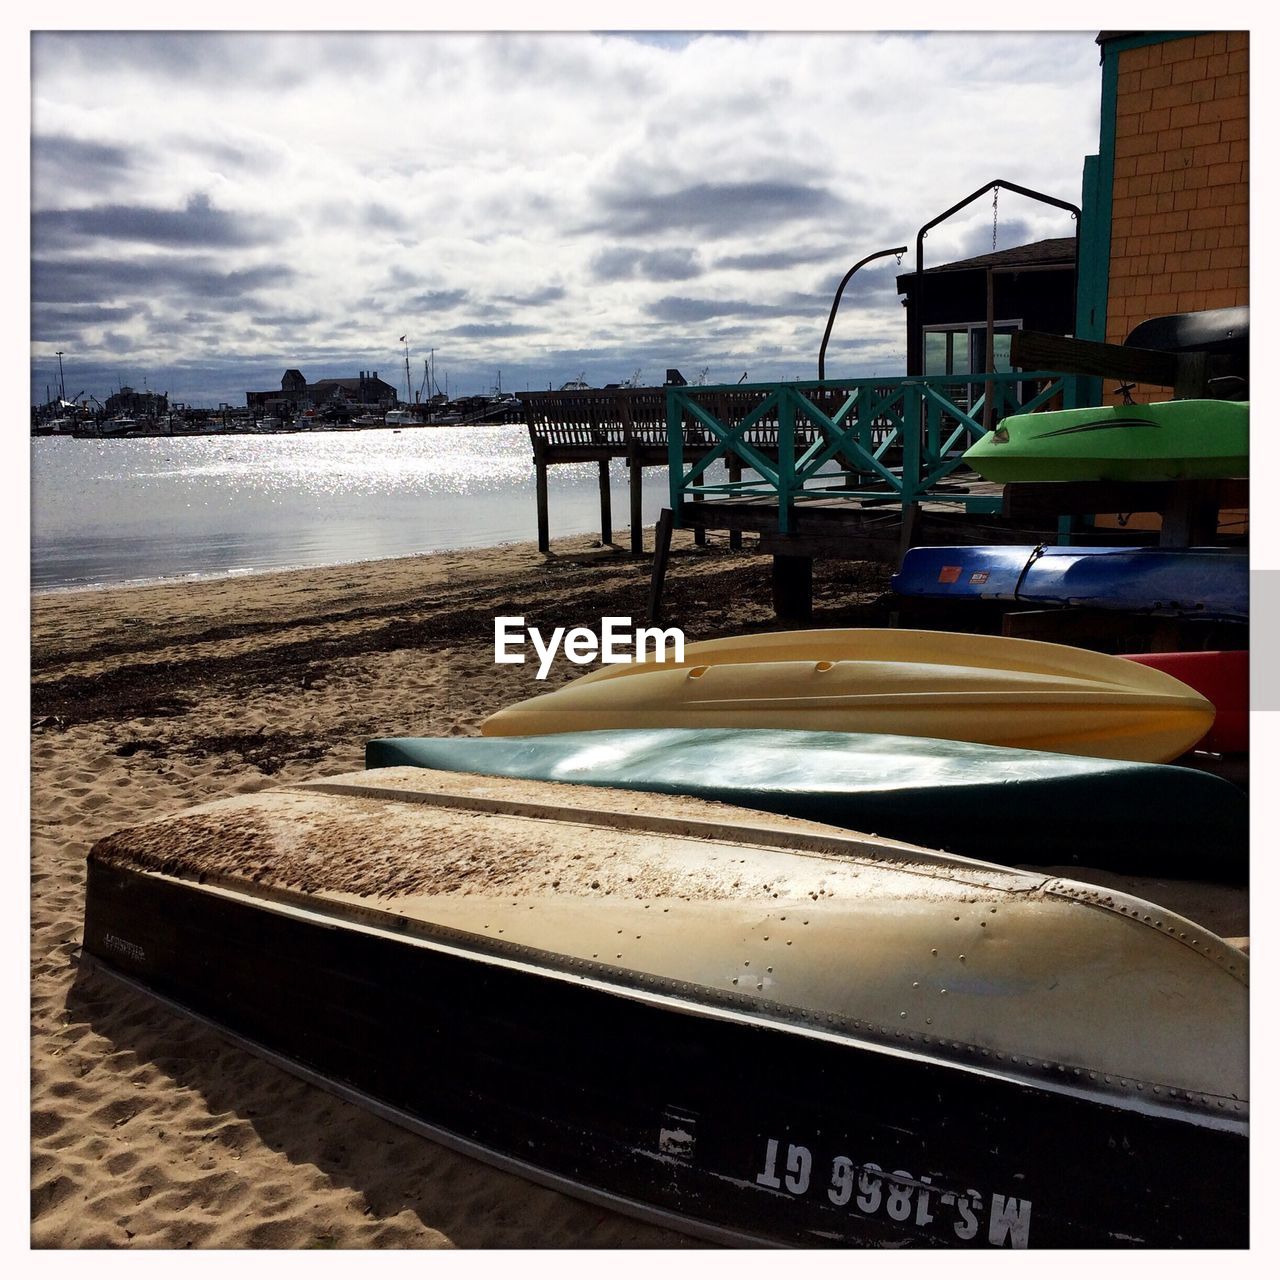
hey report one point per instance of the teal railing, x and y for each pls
(888, 440)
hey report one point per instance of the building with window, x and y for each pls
(1032, 286)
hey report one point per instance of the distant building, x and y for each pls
(297, 394)
(141, 404)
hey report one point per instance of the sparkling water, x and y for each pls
(114, 511)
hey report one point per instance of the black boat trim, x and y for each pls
(637, 1209)
(1141, 1097)
(1099, 426)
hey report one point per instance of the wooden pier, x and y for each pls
(568, 427)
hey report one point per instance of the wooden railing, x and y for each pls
(887, 439)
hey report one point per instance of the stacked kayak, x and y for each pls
(926, 684)
(994, 803)
(1211, 583)
(1176, 440)
(761, 1029)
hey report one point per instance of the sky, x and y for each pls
(211, 208)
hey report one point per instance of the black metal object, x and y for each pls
(917, 337)
(664, 1106)
(1222, 331)
(835, 302)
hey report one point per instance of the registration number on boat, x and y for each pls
(867, 1189)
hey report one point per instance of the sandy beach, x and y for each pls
(149, 1129)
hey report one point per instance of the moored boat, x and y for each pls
(927, 684)
(758, 1029)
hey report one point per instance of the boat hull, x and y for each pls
(1223, 678)
(1174, 440)
(1200, 582)
(762, 1029)
(725, 1127)
(1000, 805)
(927, 684)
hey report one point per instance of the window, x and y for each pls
(962, 350)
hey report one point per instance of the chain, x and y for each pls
(995, 217)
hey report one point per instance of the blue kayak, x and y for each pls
(1199, 582)
(1000, 804)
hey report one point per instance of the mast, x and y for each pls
(62, 386)
(408, 377)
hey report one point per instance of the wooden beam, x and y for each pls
(544, 519)
(1032, 350)
(661, 554)
(1095, 497)
(635, 475)
(793, 588)
(606, 508)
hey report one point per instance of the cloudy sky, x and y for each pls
(211, 208)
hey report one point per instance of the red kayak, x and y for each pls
(1223, 678)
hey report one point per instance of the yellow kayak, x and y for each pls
(926, 684)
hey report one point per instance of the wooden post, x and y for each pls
(636, 475)
(661, 554)
(606, 512)
(1190, 516)
(544, 520)
(793, 588)
(734, 463)
(699, 533)
(910, 529)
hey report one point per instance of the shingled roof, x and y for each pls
(1042, 253)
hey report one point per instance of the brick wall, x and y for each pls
(1180, 201)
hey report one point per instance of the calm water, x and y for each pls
(111, 511)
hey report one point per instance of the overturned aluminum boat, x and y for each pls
(757, 1029)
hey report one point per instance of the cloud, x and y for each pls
(781, 259)
(439, 299)
(106, 279)
(490, 330)
(692, 310)
(628, 263)
(198, 224)
(715, 209)
(540, 297)
(61, 163)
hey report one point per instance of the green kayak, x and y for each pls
(1000, 804)
(1176, 440)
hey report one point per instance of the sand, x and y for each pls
(150, 1130)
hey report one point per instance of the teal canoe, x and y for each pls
(1174, 440)
(1000, 804)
